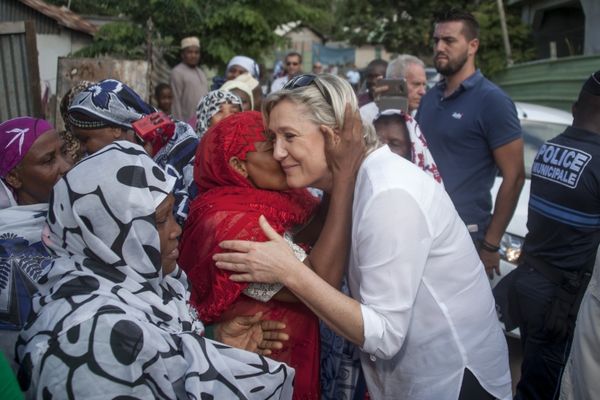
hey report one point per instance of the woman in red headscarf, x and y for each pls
(239, 180)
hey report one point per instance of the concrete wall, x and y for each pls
(51, 47)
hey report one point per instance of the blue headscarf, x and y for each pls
(108, 102)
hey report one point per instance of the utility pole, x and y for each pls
(509, 60)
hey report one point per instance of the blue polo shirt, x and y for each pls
(462, 130)
(563, 218)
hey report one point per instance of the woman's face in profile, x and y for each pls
(299, 146)
(92, 140)
(263, 170)
(168, 232)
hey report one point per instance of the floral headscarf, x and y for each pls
(108, 102)
(71, 142)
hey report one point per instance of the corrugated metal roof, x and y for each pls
(63, 16)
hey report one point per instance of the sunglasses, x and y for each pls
(306, 80)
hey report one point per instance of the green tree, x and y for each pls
(225, 27)
(406, 26)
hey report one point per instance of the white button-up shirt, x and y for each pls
(427, 305)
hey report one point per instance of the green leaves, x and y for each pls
(406, 26)
(118, 39)
(225, 27)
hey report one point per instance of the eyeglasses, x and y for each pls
(305, 80)
(292, 63)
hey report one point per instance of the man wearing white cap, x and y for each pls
(188, 82)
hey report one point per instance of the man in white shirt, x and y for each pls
(293, 67)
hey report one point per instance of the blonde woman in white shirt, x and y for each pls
(421, 308)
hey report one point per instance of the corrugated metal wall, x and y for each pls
(13, 10)
(19, 75)
(553, 83)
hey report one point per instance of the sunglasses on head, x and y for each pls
(306, 80)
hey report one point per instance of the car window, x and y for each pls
(535, 133)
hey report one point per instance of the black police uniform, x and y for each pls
(564, 233)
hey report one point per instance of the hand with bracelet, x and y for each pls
(488, 253)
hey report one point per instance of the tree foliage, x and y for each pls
(406, 26)
(230, 27)
(225, 27)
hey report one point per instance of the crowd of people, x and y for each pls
(312, 244)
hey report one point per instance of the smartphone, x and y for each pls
(395, 97)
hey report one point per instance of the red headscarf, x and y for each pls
(228, 207)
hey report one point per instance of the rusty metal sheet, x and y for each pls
(134, 73)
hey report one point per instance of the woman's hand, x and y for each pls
(345, 150)
(252, 334)
(268, 262)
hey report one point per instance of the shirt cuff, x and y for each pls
(373, 330)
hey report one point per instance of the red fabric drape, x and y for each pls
(228, 207)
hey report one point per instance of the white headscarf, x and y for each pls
(247, 63)
(245, 83)
(107, 322)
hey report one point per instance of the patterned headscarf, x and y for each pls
(108, 102)
(419, 151)
(247, 63)
(67, 99)
(17, 135)
(107, 321)
(209, 105)
(71, 142)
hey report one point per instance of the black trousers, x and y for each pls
(544, 357)
(471, 389)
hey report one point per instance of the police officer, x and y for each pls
(560, 248)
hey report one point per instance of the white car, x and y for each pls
(539, 123)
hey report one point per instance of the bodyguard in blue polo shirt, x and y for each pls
(473, 131)
(563, 224)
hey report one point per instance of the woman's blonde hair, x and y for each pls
(319, 110)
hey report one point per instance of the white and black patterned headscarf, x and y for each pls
(209, 105)
(107, 322)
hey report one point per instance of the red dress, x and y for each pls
(228, 207)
